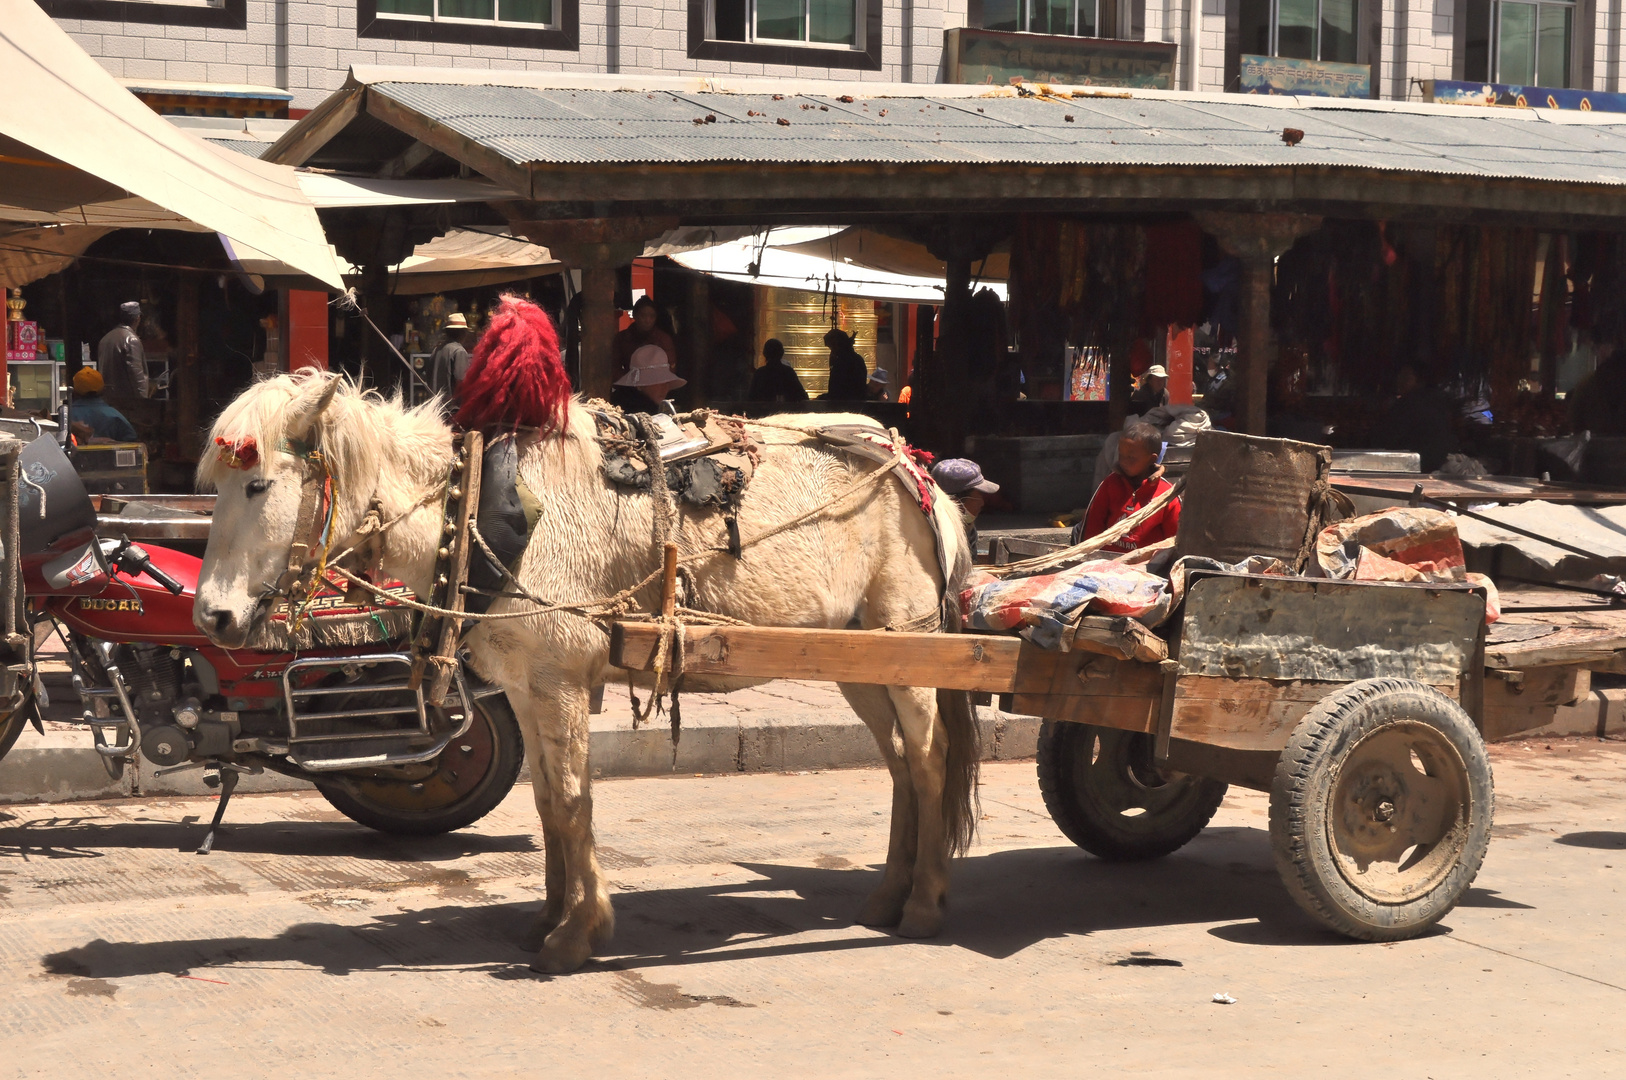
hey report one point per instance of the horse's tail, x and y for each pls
(962, 804)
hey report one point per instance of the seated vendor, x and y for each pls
(90, 418)
(962, 480)
(648, 381)
(1136, 481)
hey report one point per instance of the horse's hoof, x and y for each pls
(559, 958)
(880, 911)
(920, 924)
(541, 927)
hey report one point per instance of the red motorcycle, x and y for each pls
(330, 700)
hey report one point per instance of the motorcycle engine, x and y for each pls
(154, 677)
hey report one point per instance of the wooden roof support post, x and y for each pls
(1256, 240)
(597, 247)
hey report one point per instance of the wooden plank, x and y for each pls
(946, 661)
(1533, 702)
(1085, 688)
(1247, 714)
(1120, 637)
(330, 118)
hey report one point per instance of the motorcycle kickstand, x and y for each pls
(227, 780)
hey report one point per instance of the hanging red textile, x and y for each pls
(1174, 269)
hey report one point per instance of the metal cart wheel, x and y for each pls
(1106, 796)
(1380, 811)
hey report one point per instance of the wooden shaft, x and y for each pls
(469, 481)
(669, 583)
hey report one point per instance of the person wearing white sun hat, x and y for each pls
(647, 383)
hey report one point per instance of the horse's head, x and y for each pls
(263, 461)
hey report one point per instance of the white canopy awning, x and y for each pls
(785, 262)
(78, 148)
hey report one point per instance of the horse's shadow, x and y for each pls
(1002, 903)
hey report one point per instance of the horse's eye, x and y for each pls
(258, 487)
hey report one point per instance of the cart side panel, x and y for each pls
(1088, 688)
(1292, 629)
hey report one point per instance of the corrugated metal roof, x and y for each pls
(252, 147)
(555, 125)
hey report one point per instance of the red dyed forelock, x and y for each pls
(515, 378)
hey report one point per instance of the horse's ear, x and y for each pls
(308, 410)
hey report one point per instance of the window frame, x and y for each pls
(1495, 47)
(565, 35)
(224, 15)
(1276, 31)
(867, 29)
(1025, 18)
(1582, 42)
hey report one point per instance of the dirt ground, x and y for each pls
(308, 946)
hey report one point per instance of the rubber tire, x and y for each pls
(508, 754)
(12, 727)
(1306, 778)
(1064, 756)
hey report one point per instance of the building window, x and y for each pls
(846, 33)
(809, 22)
(520, 12)
(1079, 18)
(1518, 43)
(534, 24)
(221, 14)
(1321, 30)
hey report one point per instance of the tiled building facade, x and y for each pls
(306, 47)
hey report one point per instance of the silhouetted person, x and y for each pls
(848, 372)
(776, 380)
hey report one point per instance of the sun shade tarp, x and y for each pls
(73, 139)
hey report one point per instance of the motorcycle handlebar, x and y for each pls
(136, 560)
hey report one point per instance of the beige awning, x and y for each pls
(78, 148)
(878, 251)
(29, 253)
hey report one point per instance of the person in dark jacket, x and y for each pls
(120, 358)
(90, 417)
(1421, 418)
(450, 362)
(848, 372)
(776, 380)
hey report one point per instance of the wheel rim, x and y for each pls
(459, 770)
(1399, 815)
(1115, 769)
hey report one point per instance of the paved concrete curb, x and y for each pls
(1598, 713)
(61, 767)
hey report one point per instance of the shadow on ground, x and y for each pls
(1002, 903)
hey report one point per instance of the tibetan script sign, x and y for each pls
(993, 57)
(1449, 92)
(1308, 78)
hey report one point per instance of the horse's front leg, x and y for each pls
(577, 901)
(553, 907)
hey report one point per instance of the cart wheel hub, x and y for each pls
(1399, 813)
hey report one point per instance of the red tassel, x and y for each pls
(516, 378)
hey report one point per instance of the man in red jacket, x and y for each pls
(1136, 481)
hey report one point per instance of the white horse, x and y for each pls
(869, 563)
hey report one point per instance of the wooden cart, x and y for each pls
(1355, 705)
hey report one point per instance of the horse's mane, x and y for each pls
(350, 431)
(516, 377)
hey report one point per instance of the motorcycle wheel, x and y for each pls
(470, 778)
(12, 726)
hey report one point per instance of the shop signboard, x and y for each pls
(1306, 78)
(1505, 95)
(999, 58)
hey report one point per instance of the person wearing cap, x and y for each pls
(450, 362)
(1152, 391)
(1136, 481)
(648, 381)
(875, 389)
(962, 480)
(90, 417)
(848, 372)
(643, 331)
(120, 359)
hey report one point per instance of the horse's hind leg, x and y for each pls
(885, 905)
(925, 750)
(553, 907)
(565, 802)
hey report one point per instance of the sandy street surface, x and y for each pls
(308, 946)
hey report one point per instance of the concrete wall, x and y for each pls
(319, 43)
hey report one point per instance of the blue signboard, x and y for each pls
(1450, 92)
(1307, 78)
